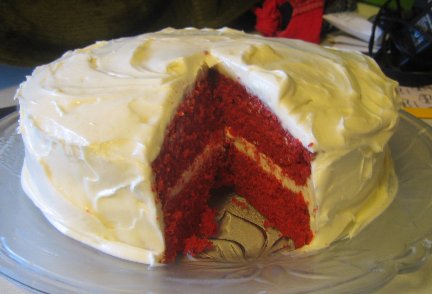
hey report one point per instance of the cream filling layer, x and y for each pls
(270, 167)
(197, 165)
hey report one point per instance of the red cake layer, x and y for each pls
(247, 117)
(196, 156)
(285, 210)
(196, 121)
(195, 126)
(188, 219)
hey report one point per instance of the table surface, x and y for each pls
(418, 282)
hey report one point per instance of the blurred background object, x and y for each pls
(296, 19)
(398, 34)
(34, 32)
(405, 47)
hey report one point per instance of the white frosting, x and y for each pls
(94, 120)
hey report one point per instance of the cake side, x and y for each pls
(59, 184)
(341, 217)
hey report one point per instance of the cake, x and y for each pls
(125, 140)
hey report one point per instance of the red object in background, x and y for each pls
(305, 19)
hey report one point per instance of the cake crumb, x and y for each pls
(268, 224)
(208, 225)
(238, 203)
(195, 245)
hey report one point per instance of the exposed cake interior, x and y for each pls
(221, 135)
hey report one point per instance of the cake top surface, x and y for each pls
(328, 99)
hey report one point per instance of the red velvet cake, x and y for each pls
(126, 140)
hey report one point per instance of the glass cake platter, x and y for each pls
(34, 254)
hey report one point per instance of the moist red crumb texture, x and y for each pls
(198, 156)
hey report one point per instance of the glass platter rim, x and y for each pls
(415, 255)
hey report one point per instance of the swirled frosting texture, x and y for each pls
(94, 120)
